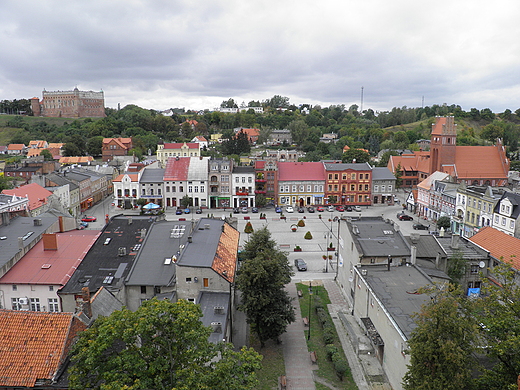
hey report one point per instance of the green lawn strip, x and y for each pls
(316, 343)
(273, 365)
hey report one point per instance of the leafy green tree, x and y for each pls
(230, 103)
(441, 344)
(299, 131)
(261, 279)
(359, 155)
(162, 345)
(398, 176)
(47, 156)
(70, 149)
(95, 145)
(444, 222)
(141, 202)
(260, 200)
(239, 144)
(5, 183)
(332, 199)
(456, 267)
(186, 201)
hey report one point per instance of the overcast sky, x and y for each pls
(197, 53)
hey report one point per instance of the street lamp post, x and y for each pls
(327, 235)
(310, 301)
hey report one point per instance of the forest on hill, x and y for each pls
(398, 128)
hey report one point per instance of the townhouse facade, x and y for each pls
(220, 182)
(506, 214)
(243, 186)
(300, 183)
(113, 147)
(348, 184)
(383, 186)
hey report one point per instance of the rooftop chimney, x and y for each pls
(454, 241)
(413, 257)
(87, 309)
(50, 242)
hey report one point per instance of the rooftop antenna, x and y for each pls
(361, 110)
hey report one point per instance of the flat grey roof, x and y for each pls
(396, 289)
(382, 173)
(376, 237)
(208, 301)
(152, 175)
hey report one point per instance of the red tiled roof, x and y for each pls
(251, 132)
(59, 264)
(479, 162)
(33, 345)
(300, 171)
(502, 246)
(122, 142)
(76, 159)
(15, 147)
(36, 193)
(177, 169)
(133, 177)
(225, 260)
(178, 145)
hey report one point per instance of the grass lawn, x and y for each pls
(273, 364)
(316, 343)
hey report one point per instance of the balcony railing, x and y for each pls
(260, 180)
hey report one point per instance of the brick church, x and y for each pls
(70, 104)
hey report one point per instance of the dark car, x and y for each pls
(310, 209)
(198, 211)
(254, 209)
(348, 208)
(278, 209)
(236, 210)
(340, 208)
(301, 209)
(178, 211)
(320, 209)
(244, 210)
(420, 226)
(300, 265)
(404, 217)
(88, 219)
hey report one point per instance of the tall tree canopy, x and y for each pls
(162, 345)
(261, 280)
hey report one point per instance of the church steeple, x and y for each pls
(443, 143)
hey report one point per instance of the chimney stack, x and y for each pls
(87, 309)
(50, 242)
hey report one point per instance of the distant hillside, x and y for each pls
(31, 120)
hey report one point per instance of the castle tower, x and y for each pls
(443, 143)
(35, 106)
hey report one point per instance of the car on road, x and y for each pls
(404, 217)
(301, 209)
(420, 226)
(88, 219)
(357, 208)
(187, 210)
(178, 212)
(330, 208)
(245, 210)
(320, 209)
(348, 208)
(340, 208)
(310, 209)
(278, 209)
(254, 209)
(236, 210)
(82, 225)
(198, 211)
(289, 209)
(300, 265)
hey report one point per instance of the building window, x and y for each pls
(35, 304)
(503, 221)
(51, 288)
(167, 188)
(309, 188)
(376, 188)
(336, 176)
(389, 188)
(53, 305)
(15, 287)
(205, 282)
(143, 289)
(190, 188)
(352, 187)
(202, 189)
(330, 176)
(15, 304)
(243, 179)
(474, 269)
(188, 280)
(344, 176)
(353, 176)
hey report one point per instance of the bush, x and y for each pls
(331, 350)
(341, 367)
(308, 236)
(318, 304)
(329, 336)
(301, 223)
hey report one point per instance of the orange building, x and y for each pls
(115, 147)
(351, 184)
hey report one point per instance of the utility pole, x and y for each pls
(361, 109)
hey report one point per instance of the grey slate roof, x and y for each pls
(104, 261)
(61, 180)
(208, 301)
(202, 251)
(246, 169)
(427, 246)
(375, 237)
(382, 173)
(152, 175)
(514, 198)
(343, 166)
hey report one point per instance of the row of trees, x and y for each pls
(464, 343)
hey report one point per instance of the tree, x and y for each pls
(441, 344)
(456, 267)
(332, 199)
(398, 176)
(262, 278)
(299, 131)
(230, 103)
(47, 156)
(248, 228)
(239, 144)
(444, 222)
(95, 145)
(186, 201)
(162, 345)
(260, 200)
(360, 156)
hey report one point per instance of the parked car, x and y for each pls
(419, 226)
(178, 212)
(245, 210)
(300, 265)
(320, 209)
(330, 208)
(187, 210)
(254, 209)
(198, 211)
(404, 217)
(88, 219)
(357, 208)
(301, 209)
(340, 208)
(310, 209)
(236, 210)
(348, 208)
(289, 209)
(278, 209)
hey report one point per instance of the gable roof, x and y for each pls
(36, 193)
(177, 169)
(225, 260)
(15, 147)
(55, 267)
(486, 165)
(134, 177)
(76, 159)
(124, 143)
(33, 345)
(426, 184)
(500, 245)
(418, 161)
(178, 145)
(294, 171)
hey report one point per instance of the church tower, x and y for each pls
(443, 144)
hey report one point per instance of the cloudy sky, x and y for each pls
(196, 53)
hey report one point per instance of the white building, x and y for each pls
(243, 185)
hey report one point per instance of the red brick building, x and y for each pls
(350, 183)
(115, 147)
(70, 104)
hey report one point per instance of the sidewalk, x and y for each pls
(298, 365)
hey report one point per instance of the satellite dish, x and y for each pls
(481, 264)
